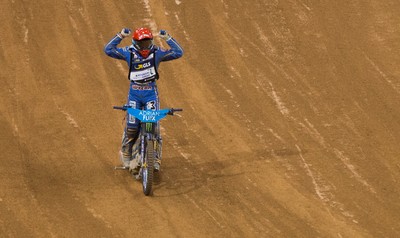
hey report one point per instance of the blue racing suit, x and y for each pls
(143, 74)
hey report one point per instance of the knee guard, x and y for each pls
(132, 133)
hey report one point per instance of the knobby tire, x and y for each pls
(149, 169)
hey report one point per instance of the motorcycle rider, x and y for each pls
(143, 58)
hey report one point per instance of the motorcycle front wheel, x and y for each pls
(148, 168)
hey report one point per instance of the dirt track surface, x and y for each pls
(291, 125)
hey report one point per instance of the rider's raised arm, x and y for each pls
(175, 52)
(113, 51)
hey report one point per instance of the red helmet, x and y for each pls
(142, 41)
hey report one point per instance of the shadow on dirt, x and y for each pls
(184, 176)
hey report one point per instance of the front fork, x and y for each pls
(150, 131)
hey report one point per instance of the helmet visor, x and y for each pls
(144, 44)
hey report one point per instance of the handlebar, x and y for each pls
(172, 110)
(124, 108)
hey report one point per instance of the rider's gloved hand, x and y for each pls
(164, 35)
(125, 32)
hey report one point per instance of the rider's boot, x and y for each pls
(124, 159)
(157, 163)
(128, 139)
